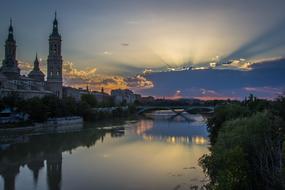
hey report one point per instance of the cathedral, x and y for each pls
(11, 81)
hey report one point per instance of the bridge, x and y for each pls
(178, 110)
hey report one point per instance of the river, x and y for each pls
(159, 152)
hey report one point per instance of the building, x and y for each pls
(54, 61)
(11, 81)
(125, 96)
(77, 93)
(35, 85)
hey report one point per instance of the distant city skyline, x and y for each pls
(110, 44)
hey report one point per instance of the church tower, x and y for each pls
(10, 65)
(54, 61)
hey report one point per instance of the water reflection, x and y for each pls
(34, 151)
(177, 140)
(143, 126)
(172, 128)
(151, 153)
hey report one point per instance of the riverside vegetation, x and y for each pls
(247, 145)
(40, 109)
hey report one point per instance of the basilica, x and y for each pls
(36, 84)
(11, 80)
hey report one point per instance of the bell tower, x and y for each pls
(10, 65)
(54, 61)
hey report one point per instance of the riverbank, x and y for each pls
(41, 109)
(54, 124)
(46, 111)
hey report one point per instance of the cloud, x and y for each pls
(27, 67)
(177, 95)
(266, 91)
(107, 53)
(138, 82)
(124, 44)
(264, 79)
(70, 71)
(81, 78)
(241, 64)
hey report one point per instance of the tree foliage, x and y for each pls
(89, 99)
(40, 109)
(247, 145)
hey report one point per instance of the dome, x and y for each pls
(36, 73)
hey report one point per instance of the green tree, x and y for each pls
(247, 154)
(223, 114)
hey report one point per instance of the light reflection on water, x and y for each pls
(153, 153)
(177, 140)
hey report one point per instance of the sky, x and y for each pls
(208, 49)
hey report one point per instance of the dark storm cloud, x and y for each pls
(266, 79)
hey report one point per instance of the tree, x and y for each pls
(247, 154)
(69, 106)
(90, 99)
(54, 106)
(36, 109)
(223, 114)
(12, 100)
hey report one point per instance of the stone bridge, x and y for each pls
(177, 109)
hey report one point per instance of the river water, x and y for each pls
(159, 152)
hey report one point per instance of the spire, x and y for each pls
(55, 19)
(55, 25)
(11, 30)
(36, 63)
(11, 26)
(36, 73)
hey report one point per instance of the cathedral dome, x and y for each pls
(36, 73)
